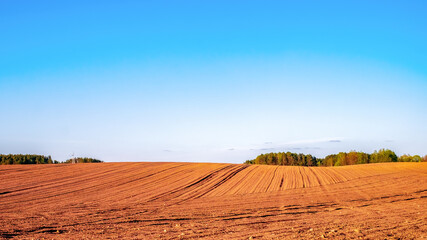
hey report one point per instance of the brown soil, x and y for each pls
(213, 201)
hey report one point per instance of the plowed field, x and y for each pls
(213, 201)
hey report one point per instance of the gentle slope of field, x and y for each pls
(190, 200)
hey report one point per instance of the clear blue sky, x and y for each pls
(218, 81)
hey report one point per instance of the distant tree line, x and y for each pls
(353, 157)
(340, 159)
(288, 158)
(25, 159)
(83, 160)
(39, 159)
